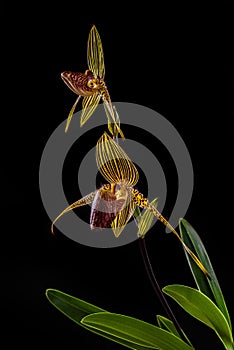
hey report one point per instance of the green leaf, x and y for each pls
(72, 307)
(209, 287)
(76, 309)
(201, 307)
(135, 331)
(168, 325)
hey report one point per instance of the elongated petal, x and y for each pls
(143, 202)
(95, 54)
(89, 104)
(71, 113)
(113, 163)
(83, 201)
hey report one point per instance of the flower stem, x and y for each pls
(157, 289)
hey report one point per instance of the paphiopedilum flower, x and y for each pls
(91, 86)
(115, 203)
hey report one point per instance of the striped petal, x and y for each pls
(143, 202)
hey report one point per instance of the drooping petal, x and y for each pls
(83, 201)
(143, 202)
(95, 54)
(113, 163)
(69, 118)
(89, 104)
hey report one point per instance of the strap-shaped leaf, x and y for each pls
(95, 54)
(168, 325)
(113, 163)
(72, 307)
(135, 331)
(209, 287)
(76, 309)
(201, 307)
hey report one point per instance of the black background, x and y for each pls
(177, 60)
